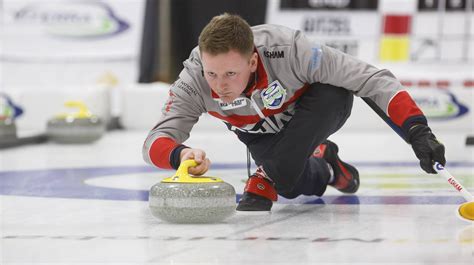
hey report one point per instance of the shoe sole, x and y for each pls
(252, 212)
(355, 182)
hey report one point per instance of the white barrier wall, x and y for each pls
(141, 106)
(63, 42)
(53, 51)
(41, 104)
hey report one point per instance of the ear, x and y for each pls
(253, 62)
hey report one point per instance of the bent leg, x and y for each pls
(285, 156)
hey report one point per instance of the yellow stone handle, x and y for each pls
(182, 172)
(182, 175)
(83, 111)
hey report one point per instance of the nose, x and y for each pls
(221, 85)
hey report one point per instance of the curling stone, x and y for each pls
(8, 112)
(7, 129)
(191, 199)
(75, 128)
(466, 211)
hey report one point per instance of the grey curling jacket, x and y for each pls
(288, 63)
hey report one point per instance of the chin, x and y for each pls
(227, 100)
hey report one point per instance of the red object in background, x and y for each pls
(468, 83)
(406, 83)
(397, 24)
(443, 84)
(424, 83)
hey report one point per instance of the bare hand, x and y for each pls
(199, 156)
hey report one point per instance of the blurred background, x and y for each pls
(118, 57)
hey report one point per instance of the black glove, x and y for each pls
(426, 147)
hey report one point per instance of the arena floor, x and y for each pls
(87, 204)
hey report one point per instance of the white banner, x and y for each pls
(435, 31)
(71, 30)
(350, 26)
(55, 44)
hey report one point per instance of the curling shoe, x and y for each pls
(259, 193)
(346, 177)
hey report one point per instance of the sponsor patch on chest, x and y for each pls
(273, 96)
(237, 103)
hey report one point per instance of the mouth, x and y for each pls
(226, 97)
(225, 94)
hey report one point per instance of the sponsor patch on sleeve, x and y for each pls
(191, 91)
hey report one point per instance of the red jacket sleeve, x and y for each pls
(160, 152)
(402, 110)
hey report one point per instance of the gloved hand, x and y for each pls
(426, 147)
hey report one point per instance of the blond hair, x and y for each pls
(224, 33)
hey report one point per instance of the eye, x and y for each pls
(211, 74)
(231, 73)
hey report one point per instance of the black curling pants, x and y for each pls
(286, 156)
